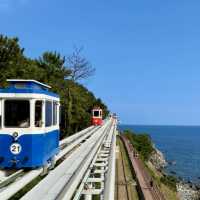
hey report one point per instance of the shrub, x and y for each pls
(169, 181)
(141, 142)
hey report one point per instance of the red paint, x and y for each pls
(97, 117)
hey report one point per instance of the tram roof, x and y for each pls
(23, 86)
(28, 81)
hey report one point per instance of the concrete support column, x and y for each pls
(102, 176)
(88, 196)
(102, 183)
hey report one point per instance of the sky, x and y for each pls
(146, 53)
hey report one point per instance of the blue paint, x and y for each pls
(37, 149)
(29, 87)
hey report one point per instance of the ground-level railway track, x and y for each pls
(121, 182)
(149, 188)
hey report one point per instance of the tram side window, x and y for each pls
(17, 113)
(38, 113)
(0, 114)
(48, 112)
(96, 113)
(55, 117)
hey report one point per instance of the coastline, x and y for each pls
(186, 190)
(180, 146)
(170, 182)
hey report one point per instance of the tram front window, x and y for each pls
(96, 113)
(17, 113)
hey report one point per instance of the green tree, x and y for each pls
(141, 142)
(52, 68)
(11, 58)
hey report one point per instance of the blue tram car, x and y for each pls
(29, 124)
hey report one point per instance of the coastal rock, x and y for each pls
(157, 159)
(186, 192)
(173, 162)
(173, 172)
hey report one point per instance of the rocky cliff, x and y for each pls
(158, 159)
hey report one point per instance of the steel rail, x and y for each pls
(87, 174)
(75, 136)
(50, 187)
(70, 188)
(5, 181)
(76, 142)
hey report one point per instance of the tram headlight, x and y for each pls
(15, 135)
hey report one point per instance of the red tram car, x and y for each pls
(97, 116)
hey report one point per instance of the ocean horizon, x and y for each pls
(158, 125)
(180, 144)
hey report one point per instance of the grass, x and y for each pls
(164, 184)
(143, 145)
(169, 194)
(169, 181)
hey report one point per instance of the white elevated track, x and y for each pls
(87, 169)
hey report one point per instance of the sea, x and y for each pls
(179, 144)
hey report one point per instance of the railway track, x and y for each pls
(68, 189)
(63, 182)
(149, 188)
(122, 187)
(14, 181)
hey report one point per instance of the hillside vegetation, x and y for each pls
(143, 144)
(60, 72)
